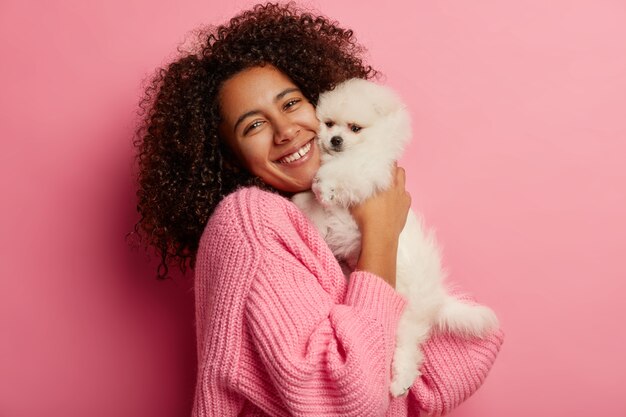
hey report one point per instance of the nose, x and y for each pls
(285, 130)
(336, 141)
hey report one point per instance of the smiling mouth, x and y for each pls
(297, 154)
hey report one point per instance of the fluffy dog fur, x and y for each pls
(364, 128)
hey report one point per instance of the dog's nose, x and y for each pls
(336, 141)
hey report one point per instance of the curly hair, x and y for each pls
(184, 168)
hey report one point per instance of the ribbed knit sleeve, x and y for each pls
(324, 358)
(454, 368)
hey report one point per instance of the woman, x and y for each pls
(228, 135)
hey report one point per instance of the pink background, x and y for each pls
(518, 160)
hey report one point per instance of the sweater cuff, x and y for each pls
(371, 293)
(453, 370)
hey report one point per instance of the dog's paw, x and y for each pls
(407, 360)
(324, 191)
(402, 382)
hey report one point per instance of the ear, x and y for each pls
(380, 109)
(386, 102)
(386, 106)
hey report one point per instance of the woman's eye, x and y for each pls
(291, 103)
(253, 126)
(329, 124)
(355, 128)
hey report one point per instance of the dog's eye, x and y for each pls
(355, 128)
(329, 124)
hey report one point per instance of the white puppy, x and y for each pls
(364, 128)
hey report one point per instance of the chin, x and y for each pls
(364, 128)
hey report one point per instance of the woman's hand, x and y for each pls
(381, 219)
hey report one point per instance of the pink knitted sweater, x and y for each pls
(281, 332)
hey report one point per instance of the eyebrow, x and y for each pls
(253, 112)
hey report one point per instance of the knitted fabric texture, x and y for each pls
(281, 332)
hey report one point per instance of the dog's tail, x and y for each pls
(465, 318)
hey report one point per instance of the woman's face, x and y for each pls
(271, 127)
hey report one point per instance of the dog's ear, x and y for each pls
(387, 101)
(386, 105)
(380, 109)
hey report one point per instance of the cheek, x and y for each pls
(253, 154)
(307, 117)
(322, 131)
(351, 137)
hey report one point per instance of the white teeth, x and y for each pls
(296, 155)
